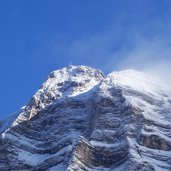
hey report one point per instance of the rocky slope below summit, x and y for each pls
(81, 120)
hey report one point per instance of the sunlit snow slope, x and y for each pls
(81, 120)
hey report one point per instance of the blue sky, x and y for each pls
(37, 37)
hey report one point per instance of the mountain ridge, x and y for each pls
(81, 119)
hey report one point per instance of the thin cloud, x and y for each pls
(152, 57)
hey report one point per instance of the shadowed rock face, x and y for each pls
(80, 120)
(154, 142)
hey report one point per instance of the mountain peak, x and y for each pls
(71, 81)
(82, 120)
(63, 81)
(74, 71)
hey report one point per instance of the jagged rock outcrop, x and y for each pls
(81, 120)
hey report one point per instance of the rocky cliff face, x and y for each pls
(81, 120)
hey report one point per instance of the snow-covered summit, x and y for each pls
(70, 80)
(75, 71)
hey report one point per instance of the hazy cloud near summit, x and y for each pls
(151, 57)
(121, 46)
